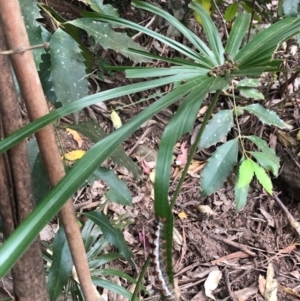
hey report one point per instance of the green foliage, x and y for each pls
(263, 178)
(219, 166)
(95, 241)
(248, 7)
(240, 194)
(67, 68)
(25, 234)
(231, 11)
(113, 235)
(180, 123)
(246, 173)
(108, 38)
(99, 7)
(61, 267)
(40, 181)
(193, 78)
(260, 10)
(251, 93)
(216, 129)
(67, 51)
(291, 7)
(265, 116)
(93, 131)
(264, 148)
(266, 162)
(247, 88)
(211, 32)
(36, 33)
(118, 192)
(44, 75)
(237, 34)
(259, 51)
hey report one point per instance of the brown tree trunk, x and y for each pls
(17, 200)
(32, 93)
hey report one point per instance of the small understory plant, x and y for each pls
(58, 257)
(198, 69)
(207, 70)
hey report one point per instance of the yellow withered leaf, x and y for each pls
(182, 215)
(206, 5)
(74, 155)
(152, 175)
(115, 118)
(76, 136)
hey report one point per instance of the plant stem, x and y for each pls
(141, 277)
(195, 146)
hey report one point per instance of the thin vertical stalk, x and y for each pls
(194, 147)
(32, 93)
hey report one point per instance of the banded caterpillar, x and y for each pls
(157, 261)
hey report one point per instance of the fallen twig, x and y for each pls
(291, 219)
(232, 243)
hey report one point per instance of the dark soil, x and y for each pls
(211, 235)
(239, 244)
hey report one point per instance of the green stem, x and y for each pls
(195, 146)
(140, 279)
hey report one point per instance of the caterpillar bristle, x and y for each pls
(158, 259)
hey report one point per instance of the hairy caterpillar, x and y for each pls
(157, 260)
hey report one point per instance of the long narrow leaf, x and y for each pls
(29, 229)
(112, 287)
(109, 38)
(77, 105)
(250, 71)
(268, 39)
(74, 290)
(113, 272)
(102, 260)
(97, 248)
(264, 60)
(237, 34)
(90, 235)
(180, 123)
(185, 71)
(188, 52)
(211, 31)
(112, 234)
(174, 60)
(208, 55)
(61, 268)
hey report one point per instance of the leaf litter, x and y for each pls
(255, 250)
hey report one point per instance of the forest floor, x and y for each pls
(209, 234)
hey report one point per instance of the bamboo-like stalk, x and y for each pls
(33, 96)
